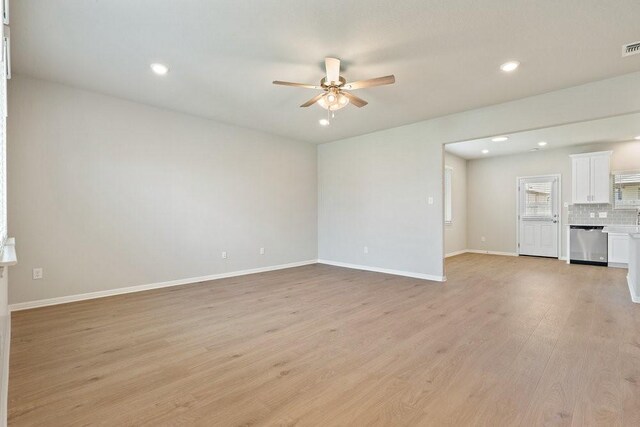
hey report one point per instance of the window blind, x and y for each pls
(3, 143)
(448, 190)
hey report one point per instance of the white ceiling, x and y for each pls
(613, 129)
(224, 54)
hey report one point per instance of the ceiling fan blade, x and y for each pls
(278, 82)
(332, 66)
(379, 81)
(358, 102)
(312, 100)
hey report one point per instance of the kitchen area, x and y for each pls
(569, 192)
(604, 216)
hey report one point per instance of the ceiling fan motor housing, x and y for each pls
(341, 82)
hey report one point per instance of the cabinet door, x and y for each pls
(581, 179)
(618, 248)
(600, 179)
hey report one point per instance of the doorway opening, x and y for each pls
(484, 212)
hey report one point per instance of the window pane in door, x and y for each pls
(537, 200)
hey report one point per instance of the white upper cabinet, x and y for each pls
(591, 177)
(581, 179)
(601, 178)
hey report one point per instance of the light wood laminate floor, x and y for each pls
(506, 341)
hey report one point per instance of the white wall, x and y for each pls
(373, 192)
(373, 189)
(455, 233)
(492, 189)
(106, 193)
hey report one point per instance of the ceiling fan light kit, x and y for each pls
(333, 101)
(334, 97)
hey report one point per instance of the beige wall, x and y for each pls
(373, 192)
(492, 213)
(374, 189)
(106, 193)
(455, 234)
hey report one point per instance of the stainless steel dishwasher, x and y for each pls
(589, 245)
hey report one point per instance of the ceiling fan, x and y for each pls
(334, 95)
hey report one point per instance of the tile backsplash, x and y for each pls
(581, 214)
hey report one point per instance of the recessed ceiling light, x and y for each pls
(542, 143)
(323, 122)
(159, 69)
(485, 151)
(637, 138)
(500, 138)
(510, 66)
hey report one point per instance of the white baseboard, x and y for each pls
(385, 270)
(635, 298)
(478, 251)
(139, 288)
(450, 254)
(4, 369)
(618, 265)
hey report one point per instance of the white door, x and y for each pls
(600, 179)
(538, 220)
(581, 179)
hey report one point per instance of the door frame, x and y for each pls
(560, 206)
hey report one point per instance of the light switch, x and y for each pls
(430, 200)
(602, 214)
(592, 215)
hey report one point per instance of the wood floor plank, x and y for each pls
(505, 341)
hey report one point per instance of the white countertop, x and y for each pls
(586, 224)
(631, 230)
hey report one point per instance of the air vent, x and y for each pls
(631, 49)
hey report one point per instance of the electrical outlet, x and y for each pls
(37, 273)
(483, 239)
(602, 214)
(592, 215)
(261, 251)
(430, 200)
(224, 255)
(366, 249)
